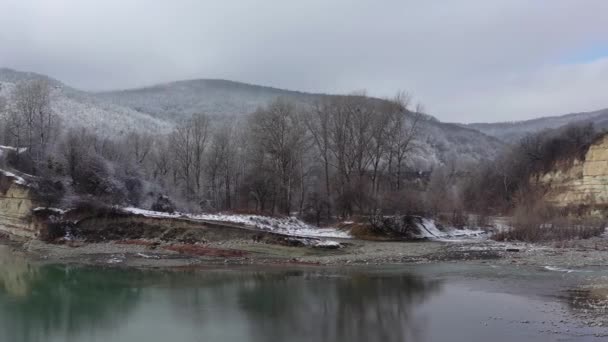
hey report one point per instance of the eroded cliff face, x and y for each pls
(581, 182)
(16, 204)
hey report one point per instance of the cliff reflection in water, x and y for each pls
(56, 303)
(38, 302)
(16, 273)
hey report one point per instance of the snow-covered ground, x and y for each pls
(428, 229)
(282, 225)
(18, 180)
(294, 226)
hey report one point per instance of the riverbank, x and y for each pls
(143, 253)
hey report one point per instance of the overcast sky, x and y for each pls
(466, 60)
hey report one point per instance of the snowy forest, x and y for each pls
(334, 158)
(341, 156)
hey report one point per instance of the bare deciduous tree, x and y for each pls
(279, 133)
(405, 130)
(33, 121)
(188, 143)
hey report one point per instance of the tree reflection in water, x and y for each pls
(72, 303)
(357, 307)
(309, 306)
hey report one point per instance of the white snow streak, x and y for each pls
(17, 179)
(281, 225)
(428, 229)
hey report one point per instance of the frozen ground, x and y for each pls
(429, 230)
(282, 225)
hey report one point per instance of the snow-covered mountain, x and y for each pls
(171, 101)
(441, 142)
(81, 109)
(158, 108)
(176, 100)
(513, 131)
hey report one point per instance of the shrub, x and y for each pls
(559, 229)
(163, 204)
(135, 190)
(403, 226)
(50, 192)
(534, 220)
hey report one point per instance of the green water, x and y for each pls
(405, 303)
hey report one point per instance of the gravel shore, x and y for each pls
(573, 254)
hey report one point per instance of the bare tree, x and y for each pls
(405, 130)
(199, 124)
(3, 117)
(317, 121)
(279, 133)
(188, 142)
(352, 125)
(75, 148)
(221, 165)
(33, 120)
(139, 145)
(161, 159)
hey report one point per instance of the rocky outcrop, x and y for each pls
(580, 182)
(16, 205)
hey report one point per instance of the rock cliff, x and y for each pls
(580, 182)
(16, 204)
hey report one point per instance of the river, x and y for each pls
(433, 302)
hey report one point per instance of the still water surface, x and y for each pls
(442, 302)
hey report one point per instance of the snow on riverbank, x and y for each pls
(428, 230)
(282, 225)
(17, 179)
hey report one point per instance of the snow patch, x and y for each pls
(281, 225)
(327, 244)
(17, 179)
(12, 148)
(428, 230)
(54, 210)
(566, 270)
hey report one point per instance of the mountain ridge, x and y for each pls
(513, 131)
(156, 109)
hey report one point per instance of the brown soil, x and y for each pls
(199, 250)
(137, 242)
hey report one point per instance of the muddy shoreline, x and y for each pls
(140, 253)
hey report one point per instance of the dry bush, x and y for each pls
(559, 229)
(536, 221)
(479, 221)
(365, 231)
(396, 226)
(457, 219)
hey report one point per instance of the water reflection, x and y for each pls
(57, 303)
(591, 300)
(351, 308)
(36, 302)
(16, 273)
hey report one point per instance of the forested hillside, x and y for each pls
(282, 152)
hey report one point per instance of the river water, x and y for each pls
(439, 302)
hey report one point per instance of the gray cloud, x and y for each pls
(468, 60)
